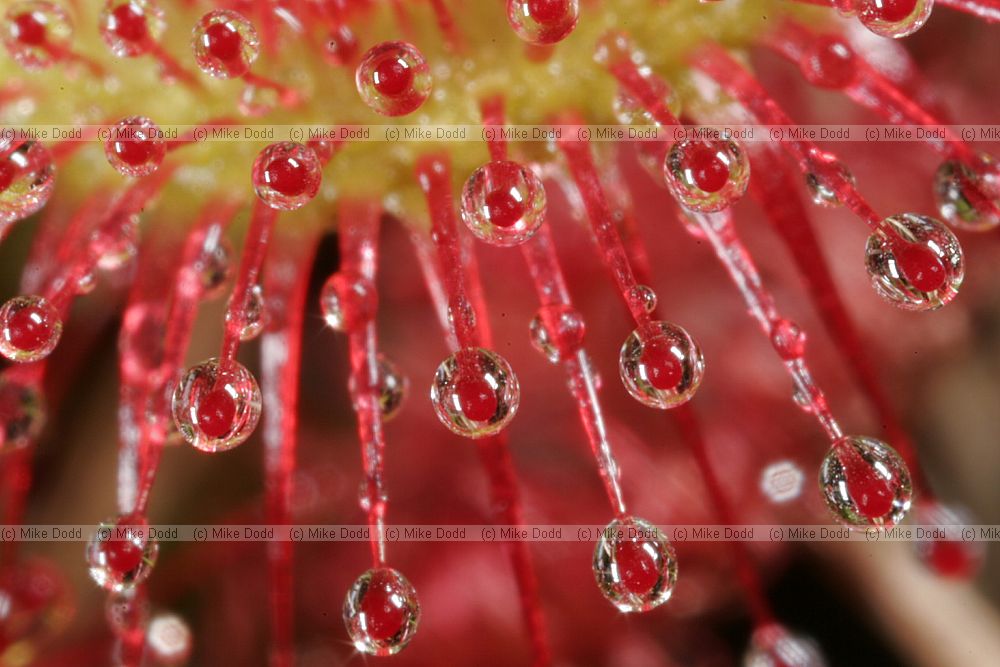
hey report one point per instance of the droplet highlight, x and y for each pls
(661, 368)
(30, 328)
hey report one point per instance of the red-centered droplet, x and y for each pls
(29, 30)
(392, 76)
(477, 398)
(29, 329)
(385, 612)
(709, 172)
(135, 152)
(216, 412)
(663, 370)
(287, 175)
(224, 42)
(950, 559)
(872, 494)
(920, 266)
(548, 11)
(129, 23)
(504, 208)
(637, 566)
(894, 11)
(122, 555)
(830, 63)
(7, 173)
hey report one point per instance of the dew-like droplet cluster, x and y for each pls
(772, 645)
(391, 387)
(914, 262)
(135, 146)
(475, 392)
(348, 301)
(706, 175)
(36, 33)
(393, 78)
(381, 612)
(503, 203)
(894, 18)
(225, 44)
(30, 328)
(960, 190)
(287, 175)
(121, 554)
(661, 367)
(131, 28)
(216, 405)
(543, 21)
(634, 564)
(865, 482)
(22, 413)
(27, 178)
(557, 331)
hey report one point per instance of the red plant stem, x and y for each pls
(173, 69)
(771, 185)
(288, 96)
(740, 84)
(639, 86)
(403, 18)
(358, 231)
(434, 174)
(492, 110)
(262, 220)
(446, 23)
(582, 167)
(988, 10)
(281, 359)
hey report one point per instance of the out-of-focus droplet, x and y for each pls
(475, 392)
(782, 481)
(348, 301)
(36, 602)
(634, 565)
(914, 262)
(557, 332)
(254, 313)
(823, 191)
(36, 34)
(30, 328)
(706, 175)
(772, 645)
(543, 21)
(121, 554)
(788, 339)
(135, 146)
(381, 612)
(213, 264)
(393, 78)
(943, 547)
(391, 388)
(225, 44)
(958, 187)
(27, 178)
(216, 405)
(865, 482)
(503, 203)
(661, 368)
(341, 46)
(828, 62)
(894, 18)
(131, 28)
(169, 640)
(22, 413)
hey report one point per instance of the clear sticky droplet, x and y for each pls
(865, 482)
(381, 612)
(254, 314)
(393, 78)
(629, 111)
(131, 28)
(27, 178)
(914, 262)
(662, 368)
(957, 189)
(135, 146)
(36, 34)
(348, 301)
(22, 413)
(706, 175)
(894, 18)
(823, 191)
(772, 645)
(213, 264)
(391, 388)
(953, 558)
(287, 175)
(788, 339)
(258, 100)
(117, 242)
(225, 44)
(169, 640)
(645, 296)
(543, 21)
(634, 564)
(557, 331)
(475, 392)
(216, 405)
(503, 203)
(782, 481)
(120, 555)
(127, 614)
(30, 328)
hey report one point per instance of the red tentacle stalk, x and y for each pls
(434, 174)
(446, 23)
(988, 10)
(281, 357)
(262, 220)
